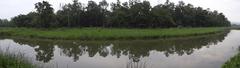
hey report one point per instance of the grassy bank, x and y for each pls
(234, 62)
(13, 61)
(105, 33)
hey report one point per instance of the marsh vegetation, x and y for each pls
(106, 34)
(14, 60)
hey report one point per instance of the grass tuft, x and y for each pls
(10, 60)
(234, 62)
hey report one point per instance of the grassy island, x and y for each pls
(106, 33)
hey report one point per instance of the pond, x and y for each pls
(208, 51)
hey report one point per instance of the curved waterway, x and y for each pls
(209, 51)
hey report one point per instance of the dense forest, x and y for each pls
(131, 14)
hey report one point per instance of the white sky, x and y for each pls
(11, 8)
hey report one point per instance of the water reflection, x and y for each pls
(134, 49)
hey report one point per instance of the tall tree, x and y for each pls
(93, 14)
(140, 13)
(71, 15)
(45, 14)
(105, 13)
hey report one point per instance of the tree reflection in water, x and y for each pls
(134, 49)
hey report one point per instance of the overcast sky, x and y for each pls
(11, 8)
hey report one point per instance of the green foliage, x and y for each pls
(45, 17)
(71, 15)
(94, 16)
(6, 23)
(28, 20)
(234, 62)
(132, 14)
(104, 33)
(14, 61)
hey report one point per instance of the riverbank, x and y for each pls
(234, 62)
(106, 33)
(13, 61)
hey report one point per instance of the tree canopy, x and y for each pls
(131, 14)
(6, 23)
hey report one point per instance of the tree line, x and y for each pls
(131, 14)
(6, 23)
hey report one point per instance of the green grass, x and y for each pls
(234, 62)
(105, 33)
(14, 61)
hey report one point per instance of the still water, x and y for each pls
(210, 51)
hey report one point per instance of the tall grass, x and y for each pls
(11, 60)
(234, 62)
(105, 33)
